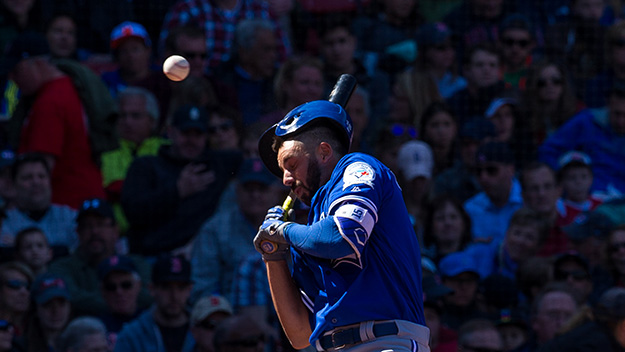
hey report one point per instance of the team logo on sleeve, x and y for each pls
(358, 173)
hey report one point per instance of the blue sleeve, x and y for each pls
(564, 139)
(321, 239)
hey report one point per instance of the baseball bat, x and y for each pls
(340, 94)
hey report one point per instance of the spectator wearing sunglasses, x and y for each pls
(573, 269)
(120, 285)
(516, 42)
(15, 279)
(189, 42)
(166, 325)
(491, 209)
(598, 88)
(207, 313)
(225, 129)
(479, 335)
(548, 100)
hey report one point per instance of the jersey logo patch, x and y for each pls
(358, 173)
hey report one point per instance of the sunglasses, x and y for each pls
(207, 324)
(615, 247)
(542, 82)
(5, 325)
(222, 127)
(16, 284)
(521, 43)
(490, 170)
(401, 130)
(112, 287)
(193, 55)
(577, 275)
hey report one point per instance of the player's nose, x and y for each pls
(287, 178)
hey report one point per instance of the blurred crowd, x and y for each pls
(129, 202)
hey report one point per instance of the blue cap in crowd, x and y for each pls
(127, 30)
(48, 286)
(189, 117)
(115, 263)
(170, 268)
(96, 206)
(457, 263)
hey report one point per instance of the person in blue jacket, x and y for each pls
(355, 283)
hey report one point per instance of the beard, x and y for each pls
(313, 180)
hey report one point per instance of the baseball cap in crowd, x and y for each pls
(433, 288)
(574, 157)
(26, 45)
(512, 316)
(127, 30)
(95, 206)
(611, 304)
(115, 263)
(457, 263)
(431, 34)
(170, 268)
(7, 158)
(477, 130)
(498, 152)
(415, 159)
(516, 21)
(573, 256)
(496, 104)
(188, 117)
(589, 224)
(208, 305)
(253, 170)
(48, 286)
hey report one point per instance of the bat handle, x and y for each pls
(268, 246)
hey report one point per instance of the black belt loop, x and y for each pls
(340, 338)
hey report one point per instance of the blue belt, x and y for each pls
(339, 338)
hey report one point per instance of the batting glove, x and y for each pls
(278, 213)
(269, 248)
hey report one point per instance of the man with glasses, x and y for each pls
(190, 43)
(165, 326)
(98, 235)
(120, 285)
(491, 209)
(516, 42)
(573, 269)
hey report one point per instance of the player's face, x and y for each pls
(301, 170)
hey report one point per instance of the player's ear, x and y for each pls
(324, 151)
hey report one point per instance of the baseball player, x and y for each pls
(355, 283)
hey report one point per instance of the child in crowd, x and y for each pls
(575, 176)
(32, 248)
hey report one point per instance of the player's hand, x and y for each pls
(278, 213)
(272, 246)
(194, 178)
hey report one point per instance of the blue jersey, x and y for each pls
(382, 279)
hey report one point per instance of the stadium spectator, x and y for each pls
(165, 326)
(7, 334)
(225, 129)
(616, 254)
(50, 314)
(360, 110)
(188, 42)
(61, 35)
(83, 334)
(16, 279)
(442, 338)
(552, 308)
(137, 126)
(98, 235)
(226, 238)
(207, 313)
(32, 248)
(411, 93)
(439, 129)
(599, 134)
(541, 192)
(514, 329)
(575, 177)
(447, 228)
(517, 42)
(548, 100)
(56, 126)
(460, 180)
(167, 197)
(245, 81)
(491, 209)
(34, 206)
(573, 269)
(479, 335)
(239, 334)
(218, 29)
(597, 89)
(132, 52)
(120, 285)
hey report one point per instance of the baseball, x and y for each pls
(176, 68)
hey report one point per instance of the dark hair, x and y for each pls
(488, 48)
(437, 204)
(313, 134)
(526, 216)
(332, 21)
(431, 110)
(533, 166)
(177, 32)
(28, 158)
